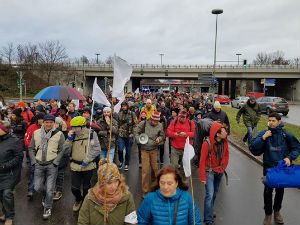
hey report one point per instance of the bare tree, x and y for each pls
(8, 52)
(84, 60)
(109, 60)
(27, 54)
(278, 58)
(262, 59)
(51, 53)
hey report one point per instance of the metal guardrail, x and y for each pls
(156, 66)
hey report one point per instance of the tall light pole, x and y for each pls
(97, 54)
(161, 55)
(216, 12)
(238, 55)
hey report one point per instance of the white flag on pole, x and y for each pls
(118, 106)
(188, 154)
(137, 91)
(122, 73)
(110, 88)
(98, 95)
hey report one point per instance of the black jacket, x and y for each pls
(221, 116)
(11, 157)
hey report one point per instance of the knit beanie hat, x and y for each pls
(217, 105)
(252, 97)
(17, 112)
(143, 112)
(155, 116)
(183, 112)
(22, 104)
(107, 109)
(58, 120)
(107, 172)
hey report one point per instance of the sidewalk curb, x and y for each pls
(241, 149)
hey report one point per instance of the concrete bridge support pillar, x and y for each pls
(129, 86)
(226, 87)
(220, 87)
(232, 88)
(243, 88)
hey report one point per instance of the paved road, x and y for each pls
(240, 202)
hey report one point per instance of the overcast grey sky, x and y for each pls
(138, 30)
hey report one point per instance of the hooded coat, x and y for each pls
(157, 209)
(251, 114)
(275, 147)
(205, 160)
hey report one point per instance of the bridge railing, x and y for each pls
(157, 66)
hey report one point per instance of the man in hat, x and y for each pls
(149, 108)
(63, 114)
(26, 113)
(46, 151)
(179, 130)
(251, 115)
(149, 150)
(219, 116)
(127, 121)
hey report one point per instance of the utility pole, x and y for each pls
(20, 82)
(161, 55)
(97, 54)
(238, 55)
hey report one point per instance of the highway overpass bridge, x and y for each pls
(232, 79)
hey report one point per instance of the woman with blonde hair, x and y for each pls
(109, 199)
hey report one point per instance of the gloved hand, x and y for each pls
(83, 164)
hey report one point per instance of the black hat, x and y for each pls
(86, 109)
(40, 108)
(198, 112)
(17, 112)
(124, 103)
(63, 106)
(40, 115)
(175, 110)
(49, 117)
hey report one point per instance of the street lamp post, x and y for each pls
(216, 12)
(238, 55)
(20, 83)
(97, 54)
(161, 55)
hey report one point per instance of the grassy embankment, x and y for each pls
(240, 129)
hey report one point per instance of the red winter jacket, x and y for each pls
(204, 159)
(25, 115)
(29, 133)
(179, 141)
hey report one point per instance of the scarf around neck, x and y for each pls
(44, 142)
(111, 200)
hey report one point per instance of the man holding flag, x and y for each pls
(213, 162)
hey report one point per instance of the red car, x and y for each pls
(223, 99)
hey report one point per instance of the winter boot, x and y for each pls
(278, 218)
(268, 219)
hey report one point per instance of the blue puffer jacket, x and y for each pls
(157, 209)
(275, 147)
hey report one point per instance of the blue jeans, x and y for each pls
(125, 143)
(211, 188)
(103, 154)
(248, 135)
(44, 182)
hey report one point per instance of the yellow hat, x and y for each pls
(107, 172)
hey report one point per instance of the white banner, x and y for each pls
(122, 73)
(98, 95)
(188, 154)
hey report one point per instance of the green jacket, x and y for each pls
(126, 123)
(91, 211)
(251, 115)
(153, 132)
(77, 149)
(103, 134)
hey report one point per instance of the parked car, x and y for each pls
(273, 104)
(223, 99)
(238, 102)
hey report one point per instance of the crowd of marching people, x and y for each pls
(94, 142)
